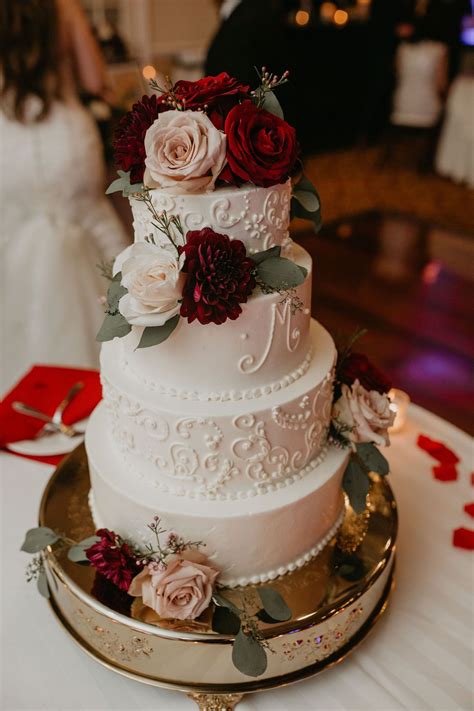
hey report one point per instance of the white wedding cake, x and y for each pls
(220, 427)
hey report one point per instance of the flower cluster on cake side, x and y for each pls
(194, 137)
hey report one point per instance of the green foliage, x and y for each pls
(274, 605)
(153, 335)
(248, 655)
(77, 552)
(114, 324)
(305, 202)
(356, 484)
(260, 257)
(42, 584)
(372, 458)
(122, 184)
(225, 621)
(279, 273)
(37, 539)
(271, 104)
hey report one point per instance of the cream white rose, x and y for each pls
(366, 413)
(153, 277)
(185, 152)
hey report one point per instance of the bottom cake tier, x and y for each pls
(249, 541)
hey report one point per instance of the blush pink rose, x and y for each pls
(182, 590)
(366, 413)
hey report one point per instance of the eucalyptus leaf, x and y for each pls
(248, 655)
(115, 326)
(42, 584)
(373, 458)
(274, 605)
(356, 483)
(122, 184)
(271, 104)
(305, 202)
(115, 292)
(39, 538)
(261, 256)
(225, 621)
(308, 201)
(280, 273)
(265, 617)
(224, 602)
(77, 553)
(153, 335)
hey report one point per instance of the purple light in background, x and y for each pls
(467, 29)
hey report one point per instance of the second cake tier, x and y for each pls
(223, 450)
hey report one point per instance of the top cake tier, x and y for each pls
(257, 216)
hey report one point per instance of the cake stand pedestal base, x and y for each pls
(335, 600)
(216, 702)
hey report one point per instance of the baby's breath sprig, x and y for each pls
(160, 551)
(34, 568)
(169, 94)
(164, 223)
(268, 82)
(289, 296)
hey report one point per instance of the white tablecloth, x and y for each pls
(419, 655)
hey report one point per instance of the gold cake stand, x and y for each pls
(335, 600)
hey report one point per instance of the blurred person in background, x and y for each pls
(56, 223)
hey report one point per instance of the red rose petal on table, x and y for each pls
(445, 472)
(463, 538)
(469, 509)
(437, 450)
(472, 479)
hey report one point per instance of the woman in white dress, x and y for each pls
(56, 224)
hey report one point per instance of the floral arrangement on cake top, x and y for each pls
(189, 135)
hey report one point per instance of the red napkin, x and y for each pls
(43, 387)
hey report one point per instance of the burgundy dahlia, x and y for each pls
(129, 139)
(356, 366)
(113, 559)
(219, 277)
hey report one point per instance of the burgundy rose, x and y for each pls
(261, 147)
(129, 140)
(356, 366)
(113, 559)
(219, 277)
(216, 95)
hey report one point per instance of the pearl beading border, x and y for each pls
(223, 395)
(284, 569)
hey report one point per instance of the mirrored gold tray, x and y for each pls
(335, 600)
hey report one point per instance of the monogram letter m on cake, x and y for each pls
(229, 417)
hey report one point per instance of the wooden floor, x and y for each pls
(377, 273)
